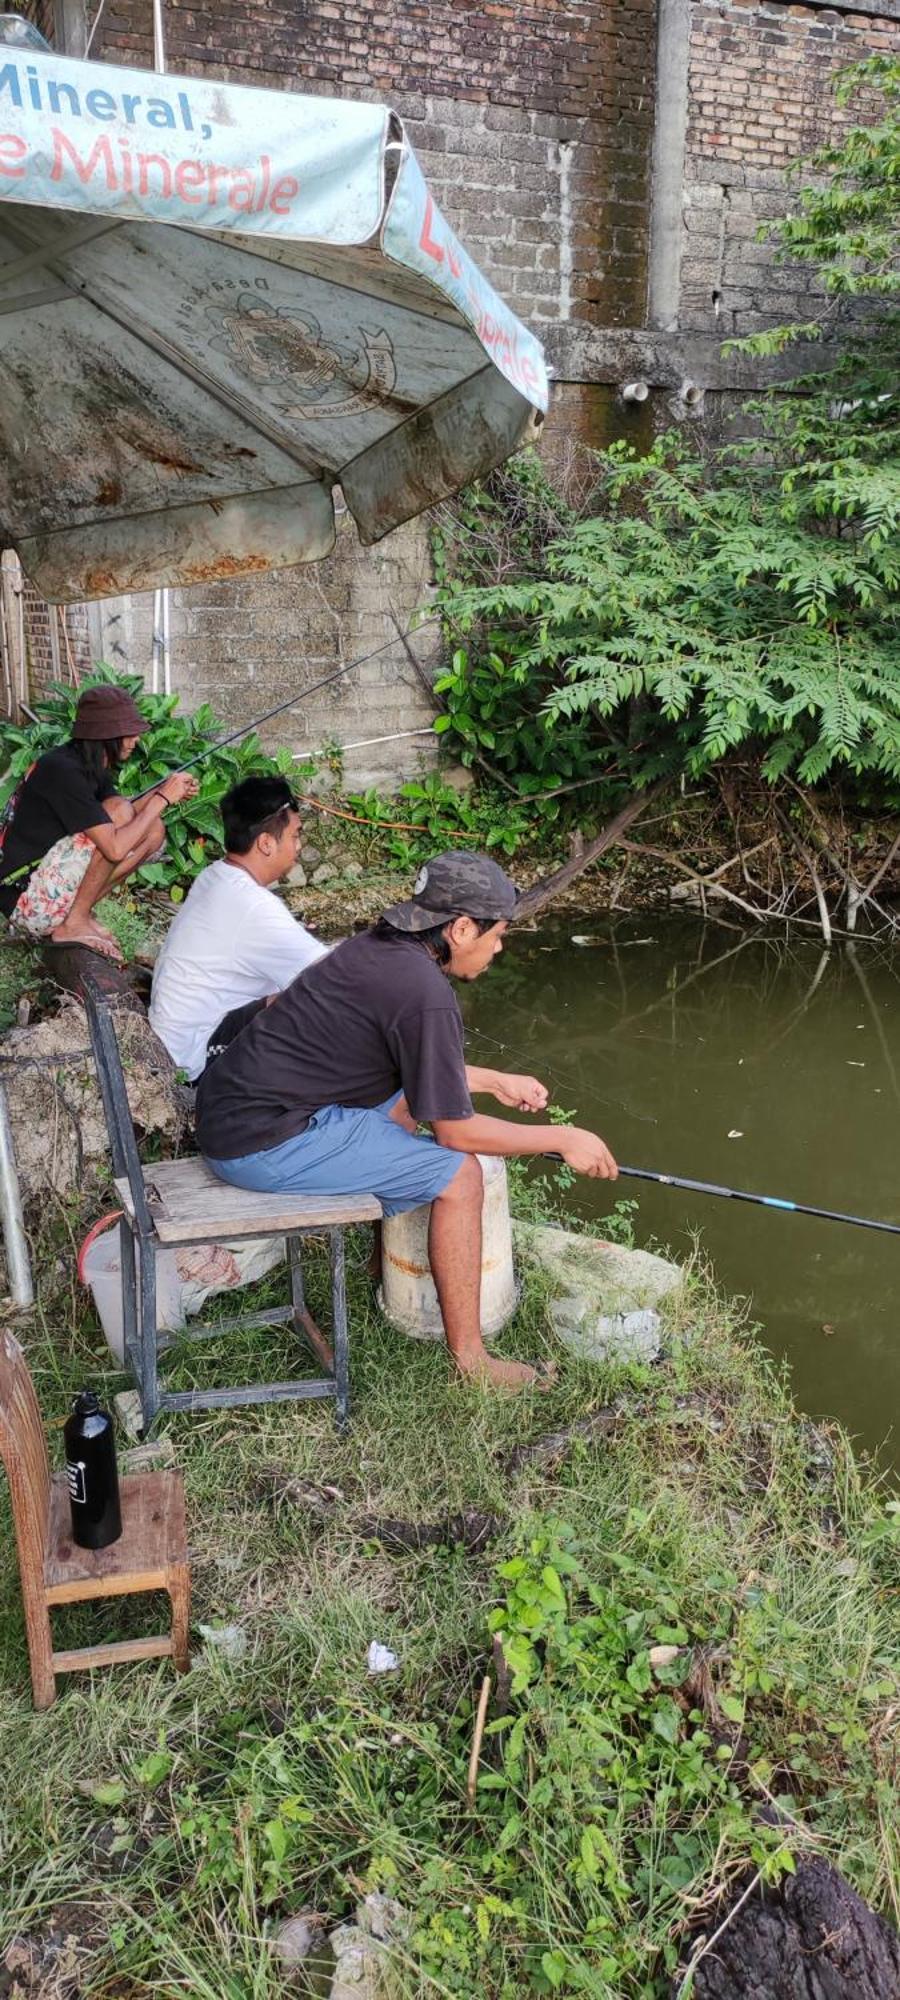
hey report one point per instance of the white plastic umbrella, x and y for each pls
(218, 304)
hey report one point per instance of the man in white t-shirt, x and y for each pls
(234, 942)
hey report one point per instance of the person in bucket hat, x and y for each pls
(324, 1090)
(67, 835)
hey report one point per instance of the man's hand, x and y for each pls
(179, 786)
(586, 1154)
(520, 1093)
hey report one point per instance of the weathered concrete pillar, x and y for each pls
(673, 39)
(70, 27)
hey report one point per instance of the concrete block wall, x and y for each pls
(244, 646)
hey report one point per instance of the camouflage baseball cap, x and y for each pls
(453, 885)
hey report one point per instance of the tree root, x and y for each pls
(470, 1529)
(811, 1938)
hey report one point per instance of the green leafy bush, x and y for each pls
(690, 614)
(193, 829)
(433, 814)
(495, 689)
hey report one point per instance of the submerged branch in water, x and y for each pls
(790, 860)
(812, 871)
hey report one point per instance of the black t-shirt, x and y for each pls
(375, 1016)
(57, 799)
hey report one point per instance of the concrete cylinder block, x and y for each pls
(408, 1298)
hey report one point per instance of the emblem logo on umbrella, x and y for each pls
(330, 378)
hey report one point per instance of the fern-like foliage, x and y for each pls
(695, 606)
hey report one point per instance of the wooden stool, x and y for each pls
(151, 1553)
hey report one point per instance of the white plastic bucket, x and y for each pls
(100, 1266)
(408, 1297)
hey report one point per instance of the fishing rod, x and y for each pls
(740, 1194)
(222, 742)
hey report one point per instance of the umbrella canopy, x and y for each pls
(216, 305)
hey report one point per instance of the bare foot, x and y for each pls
(510, 1375)
(90, 934)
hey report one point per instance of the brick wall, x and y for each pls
(57, 641)
(760, 96)
(40, 12)
(533, 122)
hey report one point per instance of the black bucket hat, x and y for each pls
(105, 713)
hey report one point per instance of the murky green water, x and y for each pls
(697, 1050)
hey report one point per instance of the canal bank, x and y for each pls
(695, 1592)
(749, 1057)
(693, 1587)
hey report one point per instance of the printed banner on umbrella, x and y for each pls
(418, 235)
(93, 138)
(205, 387)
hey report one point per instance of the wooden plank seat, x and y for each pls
(150, 1554)
(180, 1204)
(189, 1204)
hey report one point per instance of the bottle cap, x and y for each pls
(86, 1404)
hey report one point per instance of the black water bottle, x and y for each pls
(92, 1474)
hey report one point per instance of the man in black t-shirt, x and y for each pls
(66, 835)
(322, 1091)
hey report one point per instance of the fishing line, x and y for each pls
(292, 701)
(556, 1075)
(222, 742)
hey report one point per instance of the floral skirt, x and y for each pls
(49, 895)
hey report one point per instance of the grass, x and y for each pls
(168, 1825)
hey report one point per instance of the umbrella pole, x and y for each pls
(156, 643)
(160, 597)
(159, 38)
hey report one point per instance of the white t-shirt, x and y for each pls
(231, 942)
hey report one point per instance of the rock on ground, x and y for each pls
(357, 1971)
(362, 1950)
(605, 1298)
(300, 1938)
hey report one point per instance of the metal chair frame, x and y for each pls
(140, 1246)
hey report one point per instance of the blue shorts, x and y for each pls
(347, 1151)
